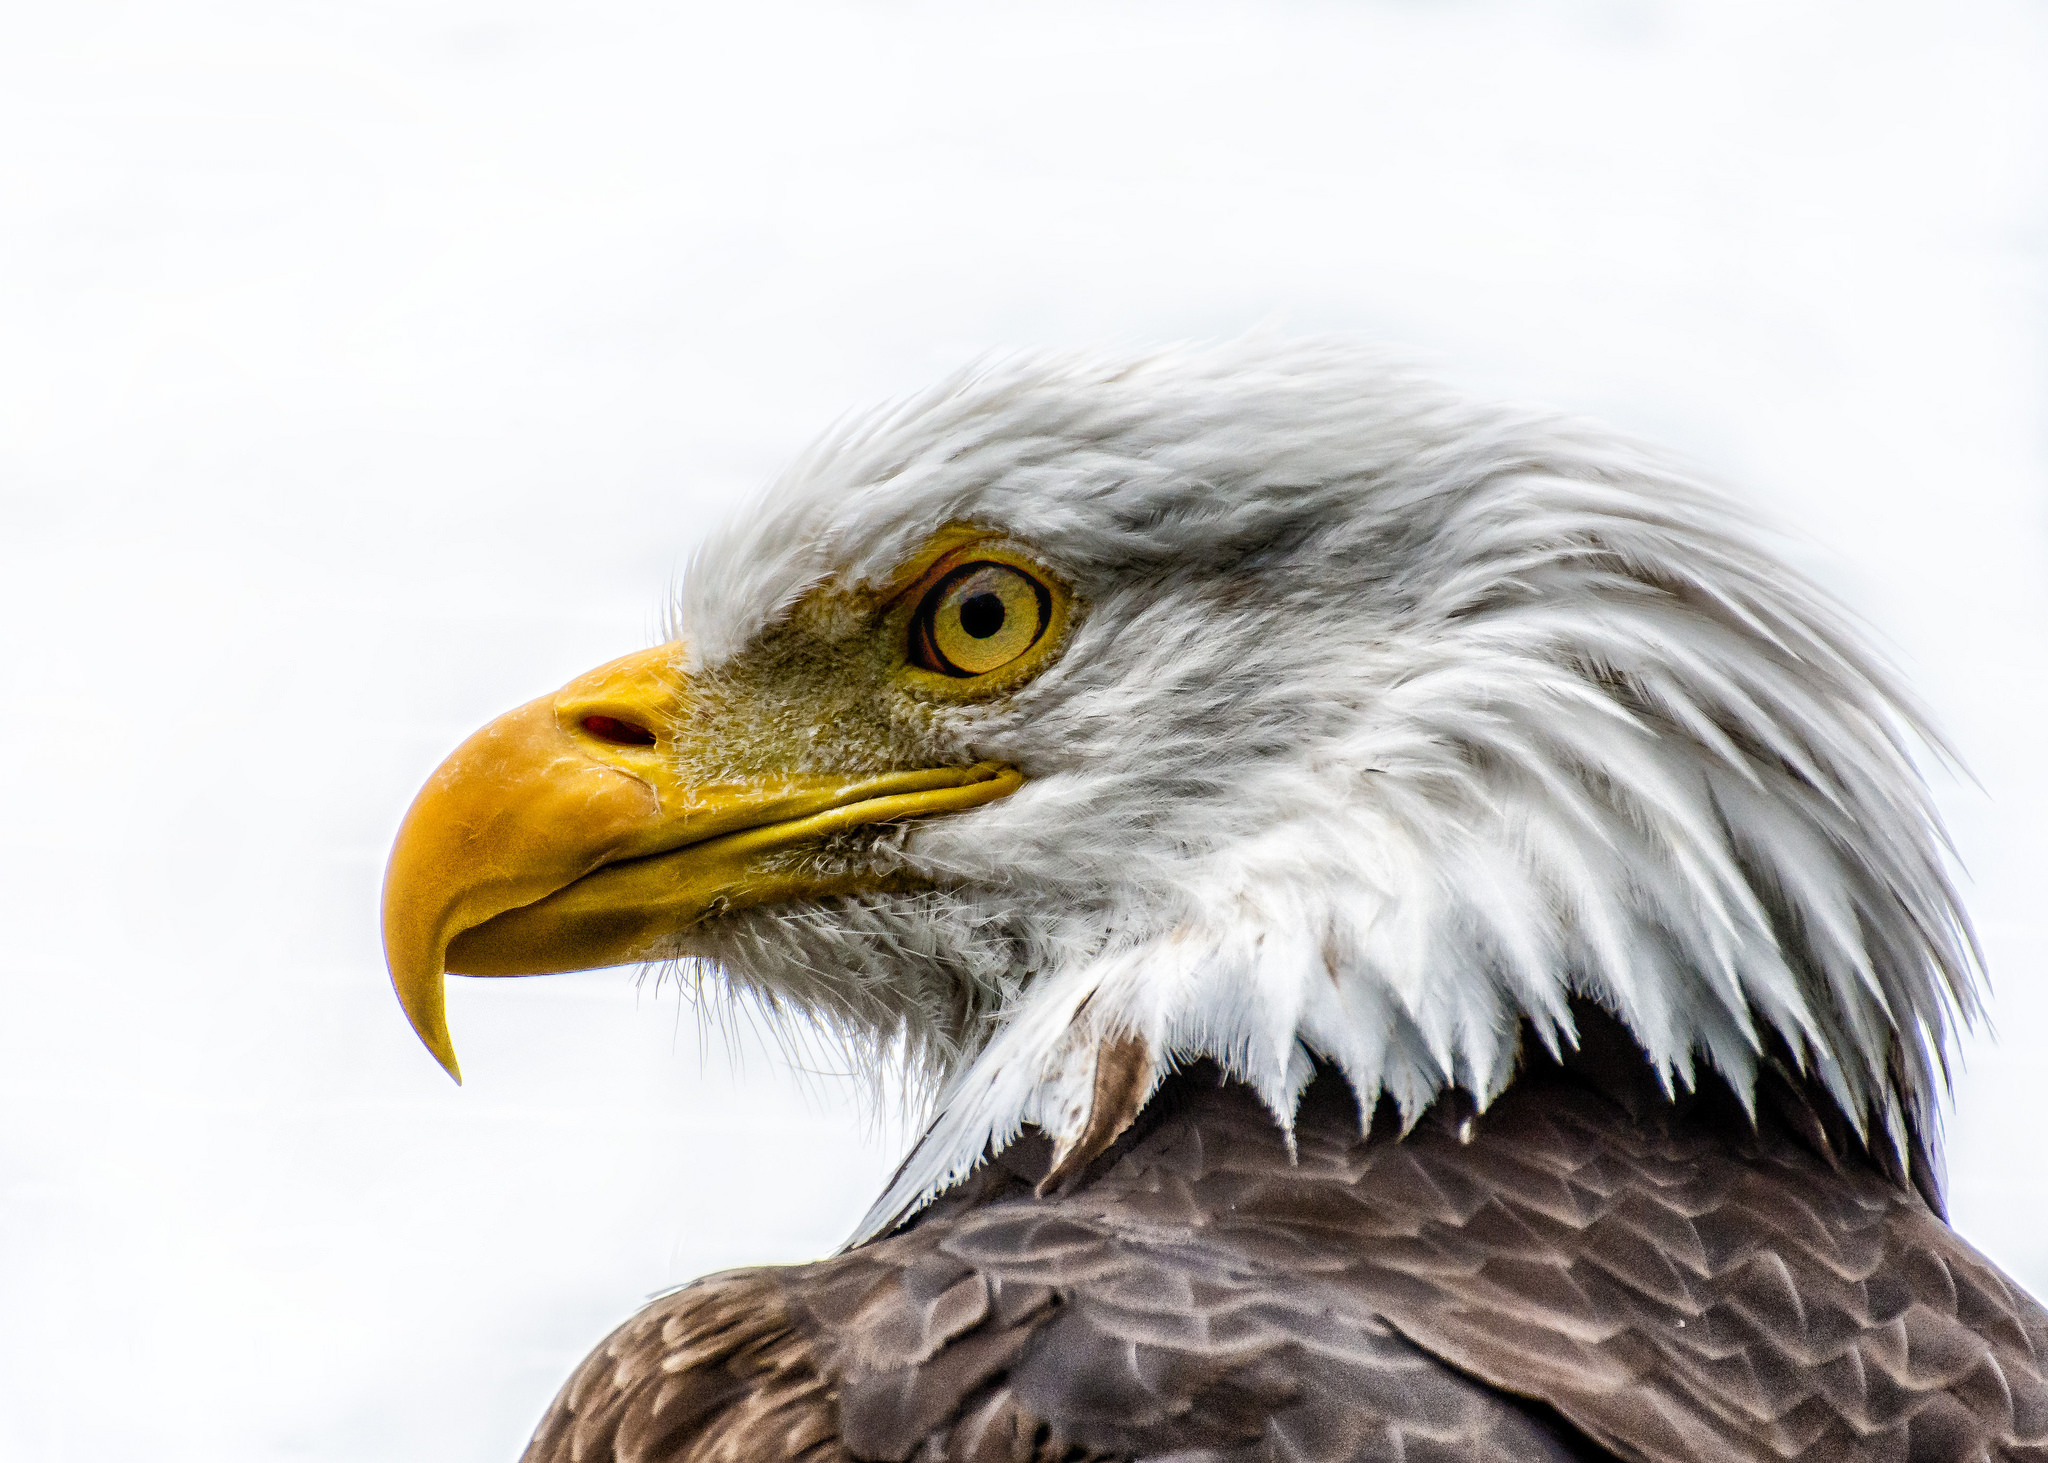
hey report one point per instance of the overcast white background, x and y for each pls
(368, 369)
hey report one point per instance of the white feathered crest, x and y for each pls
(1389, 721)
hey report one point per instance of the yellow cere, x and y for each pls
(981, 617)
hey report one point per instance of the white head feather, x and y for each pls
(1390, 721)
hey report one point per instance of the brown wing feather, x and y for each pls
(714, 1373)
(1679, 1293)
(1573, 1275)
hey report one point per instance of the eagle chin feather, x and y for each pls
(1391, 726)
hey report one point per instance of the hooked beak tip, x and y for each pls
(442, 1050)
(423, 1001)
(445, 1055)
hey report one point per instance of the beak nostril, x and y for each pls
(618, 731)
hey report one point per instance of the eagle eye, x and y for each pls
(978, 619)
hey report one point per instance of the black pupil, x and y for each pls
(981, 615)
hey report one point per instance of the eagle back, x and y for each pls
(1576, 1273)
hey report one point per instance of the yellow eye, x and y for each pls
(978, 619)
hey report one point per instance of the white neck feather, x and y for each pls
(1392, 723)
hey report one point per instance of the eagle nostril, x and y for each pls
(618, 731)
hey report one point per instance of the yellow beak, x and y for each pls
(560, 838)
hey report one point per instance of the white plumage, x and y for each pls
(1388, 721)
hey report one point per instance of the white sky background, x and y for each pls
(366, 370)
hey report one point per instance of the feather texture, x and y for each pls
(1388, 722)
(1587, 1271)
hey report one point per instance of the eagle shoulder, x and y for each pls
(713, 1373)
(1569, 1277)
(1004, 1329)
(1682, 1283)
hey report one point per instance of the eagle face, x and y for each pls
(1264, 704)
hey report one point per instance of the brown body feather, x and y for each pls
(1586, 1271)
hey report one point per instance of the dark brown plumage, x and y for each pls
(1586, 1271)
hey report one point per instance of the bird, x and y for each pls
(1419, 937)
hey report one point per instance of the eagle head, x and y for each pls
(1269, 704)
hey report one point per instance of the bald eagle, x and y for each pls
(1425, 940)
